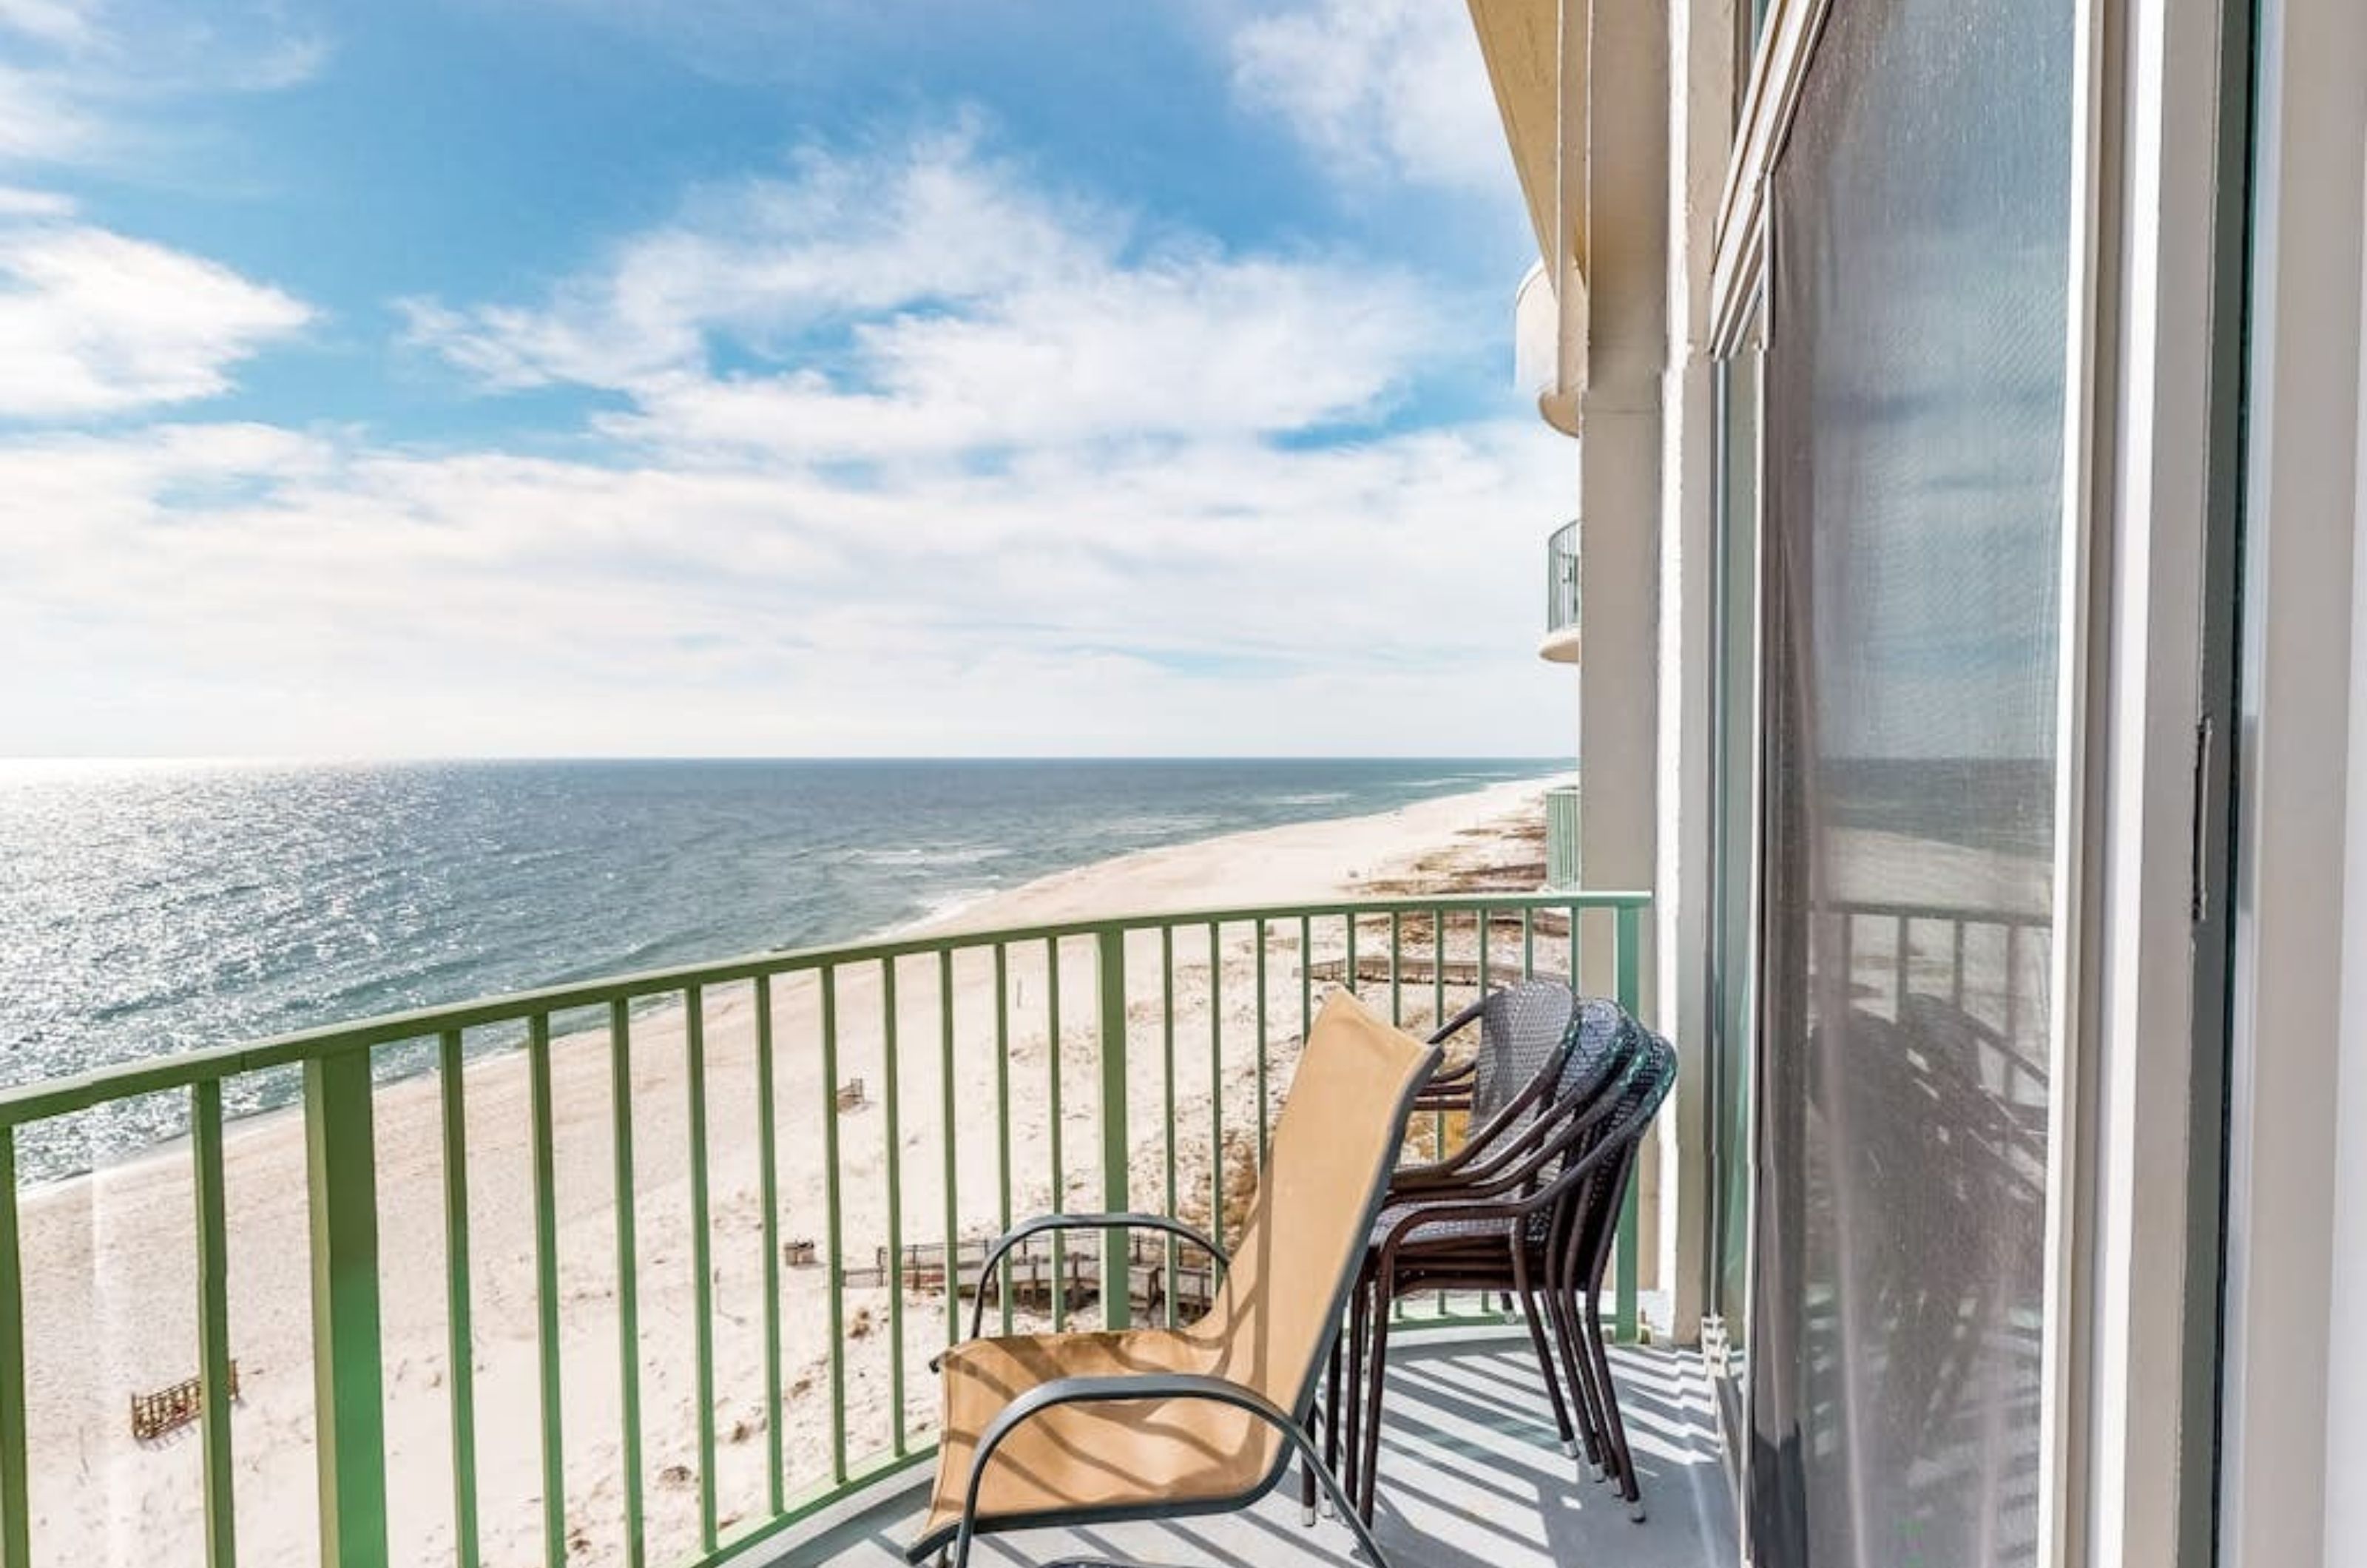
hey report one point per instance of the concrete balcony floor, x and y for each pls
(1471, 1477)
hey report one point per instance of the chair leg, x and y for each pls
(1576, 1367)
(1351, 1406)
(1331, 1413)
(1621, 1454)
(1332, 1401)
(1561, 1301)
(1544, 1357)
(1368, 1469)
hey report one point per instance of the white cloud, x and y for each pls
(933, 224)
(933, 300)
(16, 201)
(63, 22)
(900, 452)
(1378, 86)
(88, 81)
(94, 323)
(213, 587)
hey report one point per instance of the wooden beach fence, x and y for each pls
(1031, 1267)
(169, 1409)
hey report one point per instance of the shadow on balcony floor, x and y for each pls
(1471, 1477)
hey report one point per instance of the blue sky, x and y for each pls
(485, 376)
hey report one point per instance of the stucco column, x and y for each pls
(1619, 481)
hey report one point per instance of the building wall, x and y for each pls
(2346, 1438)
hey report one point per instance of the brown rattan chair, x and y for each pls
(1540, 1226)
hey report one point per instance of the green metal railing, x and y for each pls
(1173, 1054)
(1562, 856)
(1561, 579)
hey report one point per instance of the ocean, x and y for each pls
(147, 908)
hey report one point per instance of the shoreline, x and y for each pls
(957, 910)
(112, 1307)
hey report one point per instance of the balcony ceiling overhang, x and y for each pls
(1521, 42)
(1540, 79)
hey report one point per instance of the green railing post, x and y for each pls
(348, 1390)
(16, 1508)
(460, 1337)
(213, 1322)
(1117, 1295)
(1630, 967)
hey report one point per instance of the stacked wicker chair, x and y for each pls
(1559, 1094)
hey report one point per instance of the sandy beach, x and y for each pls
(111, 1307)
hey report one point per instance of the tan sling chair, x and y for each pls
(1053, 1429)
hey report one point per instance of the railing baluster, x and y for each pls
(1167, 1054)
(1059, 1169)
(1216, 1084)
(1576, 980)
(1306, 977)
(1117, 1274)
(768, 1181)
(461, 1340)
(213, 1321)
(15, 1506)
(702, 1258)
(890, 1055)
(1003, 1111)
(1528, 942)
(1629, 960)
(1397, 956)
(834, 1223)
(1957, 964)
(1437, 966)
(1356, 981)
(546, 1293)
(1898, 988)
(628, 1309)
(2011, 1030)
(348, 1388)
(948, 1130)
(1264, 1114)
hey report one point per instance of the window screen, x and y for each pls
(1915, 425)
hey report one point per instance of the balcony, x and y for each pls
(1550, 347)
(1560, 644)
(690, 1321)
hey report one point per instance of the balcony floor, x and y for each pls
(1471, 1477)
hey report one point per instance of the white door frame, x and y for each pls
(2299, 1033)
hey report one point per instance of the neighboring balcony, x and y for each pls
(1561, 838)
(1560, 644)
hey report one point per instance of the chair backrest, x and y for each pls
(1522, 1029)
(1592, 1201)
(1606, 1048)
(1326, 1169)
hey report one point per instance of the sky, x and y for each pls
(540, 378)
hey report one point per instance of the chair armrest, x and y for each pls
(1148, 1386)
(1043, 1223)
(1451, 1028)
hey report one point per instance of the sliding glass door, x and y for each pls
(1913, 535)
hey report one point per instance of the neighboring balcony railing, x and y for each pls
(1561, 838)
(1560, 643)
(766, 1180)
